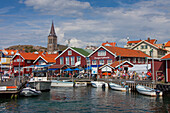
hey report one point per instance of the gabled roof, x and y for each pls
(57, 66)
(124, 52)
(48, 58)
(152, 41)
(113, 44)
(167, 44)
(80, 51)
(119, 63)
(153, 45)
(27, 56)
(8, 52)
(166, 57)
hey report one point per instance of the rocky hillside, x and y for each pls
(31, 48)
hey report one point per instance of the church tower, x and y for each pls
(52, 40)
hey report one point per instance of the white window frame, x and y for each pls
(61, 60)
(101, 62)
(78, 58)
(72, 60)
(139, 60)
(134, 60)
(101, 53)
(109, 61)
(94, 62)
(28, 61)
(69, 52)
(67, 61)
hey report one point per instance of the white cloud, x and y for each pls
(59, 7)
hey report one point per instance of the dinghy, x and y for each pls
(117, 87)
(28, 91)
(148, 91)
(100, 84)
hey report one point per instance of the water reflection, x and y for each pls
(86, 99)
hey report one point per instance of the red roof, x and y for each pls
(29, 56)
(9, 52)
(166, 56)
(113, 44)
(49, 57)
(152, 41)
(123, 52)
(115, 64)
(167, 44)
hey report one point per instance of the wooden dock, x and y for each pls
(12, 86)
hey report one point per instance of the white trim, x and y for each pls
(123, 63)
(103, 48)
(145, 42)
(40, 57)
(69, 55)
(165, 58)
(17, 55)
(105, 66)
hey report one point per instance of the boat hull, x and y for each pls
(98, 84)
(80, 84)
(147, 91)
(29, 92)
(56, 83)
(118, 87)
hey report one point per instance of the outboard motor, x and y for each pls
(157, 92)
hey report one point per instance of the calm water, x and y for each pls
(86, 99)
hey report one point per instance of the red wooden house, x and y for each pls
(73, 56)
(21, 60)
(45, 59)
(108, 55)
(166, 60)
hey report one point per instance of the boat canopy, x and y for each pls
(139, 68)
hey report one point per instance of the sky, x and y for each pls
(83, 22)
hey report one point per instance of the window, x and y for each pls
(146, 47)
(109, 61)
(18, 60)
(101, 53)
(93, 62)
(142, 47)
(142, 60)
(78, 58)
(28, 61)
(67, 61)
(69, 52)
(139, 60)
(72, 60)
(61, 60)
(28, 69)
(101, 62)
(134, 60)
(128, 59)
(88, 62)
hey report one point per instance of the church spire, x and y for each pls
(52, 32)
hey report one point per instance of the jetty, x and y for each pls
(11, 87)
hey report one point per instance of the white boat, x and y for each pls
(57, 83)
(148, 91)
(28, 91)
(100, 84)
(80, 84)
(119, 87)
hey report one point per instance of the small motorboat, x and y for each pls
(100, 84)
(28, 91)
(117, 87)
(80, 84)
(148, 91)
(64, 83)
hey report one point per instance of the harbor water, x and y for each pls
(86, 100)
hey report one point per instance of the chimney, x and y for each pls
(149, 39)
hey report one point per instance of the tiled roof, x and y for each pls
(29, 56)
(123, 52)
(167, 44)
(113, 44)
(82, 51)
(115, 64)
(49, 57)
(9, 52)
(166, 56)
(152, 41)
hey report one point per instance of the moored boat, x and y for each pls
(148, 91)
(28, 91)
(119, 87)
(100, 84)
(57, 83)
(80, 84)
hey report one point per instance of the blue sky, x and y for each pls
(84, 22)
